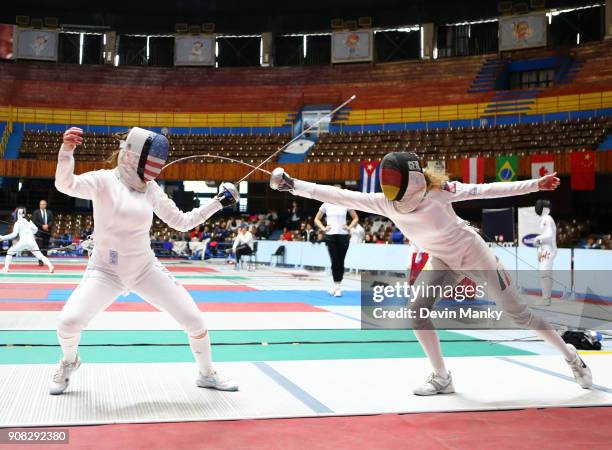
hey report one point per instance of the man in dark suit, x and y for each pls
(43, 219)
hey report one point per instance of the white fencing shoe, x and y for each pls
(214, 381)
(61, 378)
(581, 371)
(436, 384)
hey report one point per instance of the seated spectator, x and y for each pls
(287, 235)
(397, 237)
(243, 243)
(592, 243)
(320, 238)
(308, 233)
(262, 231)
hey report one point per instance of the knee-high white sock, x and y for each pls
(69, 345)
(7, 261)
(202, 353)
(430, 342)
(548, 334)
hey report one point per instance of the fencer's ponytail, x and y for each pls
(113, 159)
(435, 179)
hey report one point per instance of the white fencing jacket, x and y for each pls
(433, 225)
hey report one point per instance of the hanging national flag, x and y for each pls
(506, 168)
(582, 166)
(473, 170)
(439, 166)
(542, 165)
(370, 176)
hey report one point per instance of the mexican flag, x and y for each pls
(542, 165)
(506, 168)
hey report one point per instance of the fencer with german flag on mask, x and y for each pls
(420, 203)
(124, 200)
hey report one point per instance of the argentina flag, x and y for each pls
(370, 176)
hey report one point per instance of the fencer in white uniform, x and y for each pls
(420, 205)
(124, 200)
(547, 250)
(23, 229)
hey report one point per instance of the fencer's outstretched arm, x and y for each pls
(458, 192)
(167, 210)
(371, 203)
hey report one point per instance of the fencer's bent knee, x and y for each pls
(68, 324)
(200, 336)
(523, 318)
(195, 327)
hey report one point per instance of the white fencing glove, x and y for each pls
(280, 180)
(228, 194)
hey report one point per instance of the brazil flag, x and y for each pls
(506, 168)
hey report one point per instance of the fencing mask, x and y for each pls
(402, 180)
(542, 207)
(20, 212)
(141, 158)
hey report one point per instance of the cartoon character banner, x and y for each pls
(351, 46)
(526, 31)
(37, 44)
(194, 50)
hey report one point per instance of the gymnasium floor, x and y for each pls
(296, 352)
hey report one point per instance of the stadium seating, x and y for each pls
(449, 143)
(99, 146)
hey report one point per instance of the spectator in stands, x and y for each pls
(397, 237)
(369, 239)
(308, 233)
(592, 243)
(262, 230)
(286, 235)
(205, 233)
(43, 219)
(357, 234)
(243, 244)
(295, 215)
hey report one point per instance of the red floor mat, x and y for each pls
(563, 428)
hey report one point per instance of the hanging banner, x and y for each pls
(37, 44)
(194, 50)
(526, 31)
(352, 46)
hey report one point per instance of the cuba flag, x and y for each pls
(370, 176)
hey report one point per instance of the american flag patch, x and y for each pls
(158, 154)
